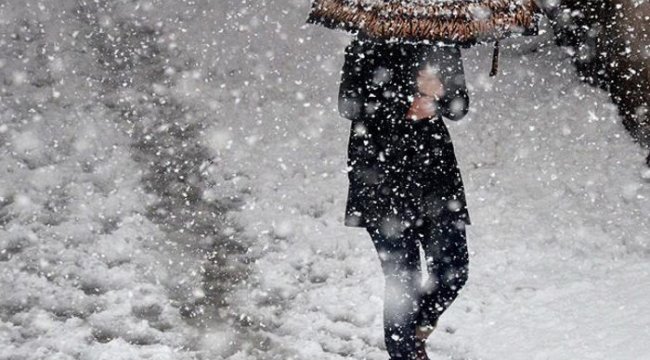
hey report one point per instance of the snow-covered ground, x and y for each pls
(559, 248)
(557, 192)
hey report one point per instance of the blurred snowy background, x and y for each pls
(173, 185)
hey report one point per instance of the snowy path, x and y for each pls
(558, 250)
(559, 245)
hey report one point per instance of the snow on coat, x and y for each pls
(401, 172)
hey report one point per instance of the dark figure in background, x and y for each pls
(405, 185)
(610, 40)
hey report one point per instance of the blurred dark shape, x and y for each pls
(610, 42)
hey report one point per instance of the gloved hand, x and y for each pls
(430, 89)
(422, 107)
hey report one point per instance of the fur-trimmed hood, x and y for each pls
(458, 21)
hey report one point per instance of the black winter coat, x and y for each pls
(402, 172)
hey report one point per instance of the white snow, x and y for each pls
(557, 191)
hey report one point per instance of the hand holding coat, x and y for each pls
(368, 80)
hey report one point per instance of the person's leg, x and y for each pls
(446, 256)
(400, 259)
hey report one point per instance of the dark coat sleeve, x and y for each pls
(454, 104)
(351, 95)
(375, 80)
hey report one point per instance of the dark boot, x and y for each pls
(420, 350)
(422, 333)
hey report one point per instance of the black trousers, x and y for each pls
(408, 302)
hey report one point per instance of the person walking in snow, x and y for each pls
(405, 185)
(402, 73)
